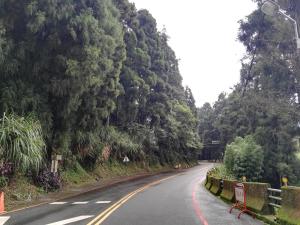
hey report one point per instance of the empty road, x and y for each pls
(167, 199)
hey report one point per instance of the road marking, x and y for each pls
(71, 220)
(3, 219)
(106, 213)
(103, 202)
(196, 206)
(79, 203)
(57, 203)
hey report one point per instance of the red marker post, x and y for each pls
(241, 201)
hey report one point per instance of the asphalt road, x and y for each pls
(167, 199)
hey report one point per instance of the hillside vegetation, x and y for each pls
(91, 81)
(264, 104)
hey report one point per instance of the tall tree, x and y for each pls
(64, 63)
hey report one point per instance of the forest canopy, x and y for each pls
(265, 103)
(94, 74)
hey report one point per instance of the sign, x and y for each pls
(244, 179)
(54, 166)
(285, 181)
(240, 197)
(239, 191)
(54, 162)
(215, 142)
(56, 157)
(126, 159)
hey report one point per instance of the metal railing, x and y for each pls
(275, 197)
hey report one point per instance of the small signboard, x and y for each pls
(59, 157)
(239, 191)
(285, 181)
(240, 197)
(126, 159)
(215, 142)
(54, 162)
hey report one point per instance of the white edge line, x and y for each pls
(79, 203)
(57, 203)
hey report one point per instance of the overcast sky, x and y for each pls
(204, 36)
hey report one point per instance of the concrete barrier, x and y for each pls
(257, 197)
(228, 190)
(206, 179)
(208, 183)
(216, 186)
(289, 213)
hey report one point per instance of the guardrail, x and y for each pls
(275, 197)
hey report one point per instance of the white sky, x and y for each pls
(204, 38)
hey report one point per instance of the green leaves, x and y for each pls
(21, 142)
(265, 103)
(87, 66)
(244, 157)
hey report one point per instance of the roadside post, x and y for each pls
(284, 181)
(244, 179)
(241, 201)
(54, 163)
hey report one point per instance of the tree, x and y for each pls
(95, 73)
(63, 64)
(244, 157)
(265, 103)
(153, 97)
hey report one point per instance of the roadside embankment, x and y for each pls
(23, 193)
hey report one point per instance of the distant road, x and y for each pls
(167, 199)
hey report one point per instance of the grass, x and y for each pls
(288, 216)
(76, 175)
(21, 192)
(221, 172)
(116, 169)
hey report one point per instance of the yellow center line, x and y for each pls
(105, 214)
(108, 209)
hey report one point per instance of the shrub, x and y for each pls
(87, 147)
(222, 172)
(47, 180)
(21, 142)
(244, 157)
(6, 169)
(122, 143)
(75, 174)
(3, 182)
(230, 153)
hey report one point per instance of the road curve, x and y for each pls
(166, 199)
(181, 200)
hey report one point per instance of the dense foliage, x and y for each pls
(244, 157)
(265, 103)
(95, 73)
(48, 180)
(21, 143)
